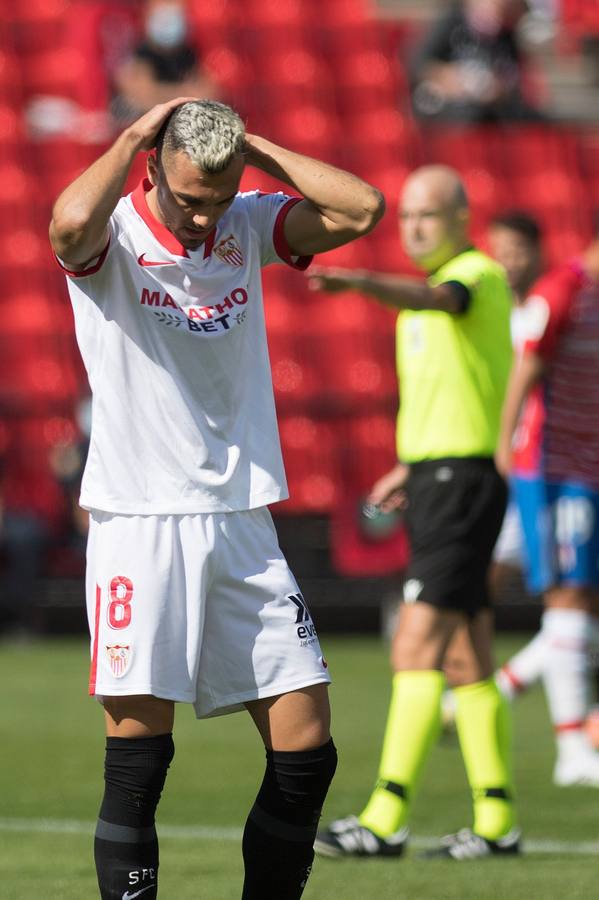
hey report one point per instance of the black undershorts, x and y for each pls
(454, 516)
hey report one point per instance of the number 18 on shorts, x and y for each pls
(197, 608)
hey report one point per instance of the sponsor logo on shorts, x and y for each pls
(306, 629)
(412, 590)
(119, 657)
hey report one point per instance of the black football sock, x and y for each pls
(279, 834)
(126, 846)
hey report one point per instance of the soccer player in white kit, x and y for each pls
(189, 596)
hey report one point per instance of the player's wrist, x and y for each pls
(255, 150)
(132, 141)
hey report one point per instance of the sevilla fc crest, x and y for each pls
(119, 657)
(229, 251)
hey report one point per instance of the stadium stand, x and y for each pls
(326, 78)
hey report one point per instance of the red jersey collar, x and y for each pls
(160, 231)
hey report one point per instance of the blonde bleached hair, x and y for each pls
(209, 132)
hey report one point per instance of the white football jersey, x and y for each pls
(174, 343)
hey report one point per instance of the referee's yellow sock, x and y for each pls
(412, 727)
(483, 722)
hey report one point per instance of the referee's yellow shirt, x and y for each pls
(453, 369)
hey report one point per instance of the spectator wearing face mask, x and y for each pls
(470, 67)
(164, 65)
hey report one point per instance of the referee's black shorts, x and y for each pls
(454, 515)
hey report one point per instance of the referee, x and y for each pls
(453, 359)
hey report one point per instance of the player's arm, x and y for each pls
(337, 207)
(397, 291)
(527, 370)
(388, 492)
(79, 225)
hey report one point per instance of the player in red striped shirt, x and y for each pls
(555, 469)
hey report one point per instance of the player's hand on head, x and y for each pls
(249, 151)
(146, 128)
(330, 280)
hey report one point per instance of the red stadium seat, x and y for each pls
(550, 191)
(18, 187)
(11, 129)
(295, 378)
(310, 455)
(10, 77)
(308, 129)
(288, 13)
(581, 16)
(560, 244)
(344, 39)
(227, 65)
(340, 13)
(55, 72)
(208, 16)
(367, 67)
(459, 147)
(282, 313)
(382, 124)
(486, 193)
(38, 11)
(389, 179)
(530, 149)
(351, 256)
(302, 74)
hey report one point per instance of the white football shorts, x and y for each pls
(200, 608)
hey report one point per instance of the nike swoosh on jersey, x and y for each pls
(147, 262)
(128, 896)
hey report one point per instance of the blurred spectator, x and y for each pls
(103, 33)
(163, 66)
(67, 462)
(24, 539)
(470, 68)
(515, 242)
(555, 472)
(136, 56)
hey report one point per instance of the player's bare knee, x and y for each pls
(412, 652)
(138, 716)
(313, 736)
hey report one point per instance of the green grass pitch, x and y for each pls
(50, 784)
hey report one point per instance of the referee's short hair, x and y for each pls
(209, 132)
(521, 222)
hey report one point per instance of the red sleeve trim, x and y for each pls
(91, 270)
(280, 241)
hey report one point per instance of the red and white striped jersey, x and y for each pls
(563, 328)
